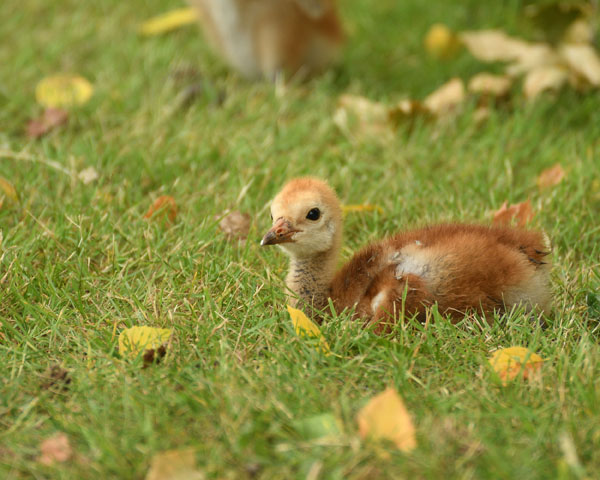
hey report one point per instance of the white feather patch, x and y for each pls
(378, 300)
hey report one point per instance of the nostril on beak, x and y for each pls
(279, 231)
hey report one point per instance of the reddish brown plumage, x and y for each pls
(465, 268)
(461, 268)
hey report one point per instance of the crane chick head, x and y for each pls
(307, 218)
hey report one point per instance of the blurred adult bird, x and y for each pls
(265, 37)
(461, 268)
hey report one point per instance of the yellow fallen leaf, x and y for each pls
(441, 42)
(169, 21)
(304, 327)
(489, 84)
(8, 189)
(551, 176)
(446, 98)
(385, 417)
(521, 212)
(540, 79)
(362, 118)
(508, 363)
(174, 465)
(366, 207)
(149, 340)
(583, 60)
(63, 90)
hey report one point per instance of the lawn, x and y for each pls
(79, 263)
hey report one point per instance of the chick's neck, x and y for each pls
(310, 279)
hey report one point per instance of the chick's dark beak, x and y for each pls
(280, 232)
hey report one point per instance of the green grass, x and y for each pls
(78, 263)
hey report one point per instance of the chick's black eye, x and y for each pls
(313, 214)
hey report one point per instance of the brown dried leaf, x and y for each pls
(235, 225)
(521, 212)
(536, 56)
(583, 60)
(490, 85)
(165, 204)
(48, 120)
(497, 46)
(385, 417)
(446, 98)
(492, 45)
(551, 176)
(56, 377)
(55, 449)
(407, 110)
(362, 118)
(580, 31)
(174, 465)
(542, 79)
(481, 114)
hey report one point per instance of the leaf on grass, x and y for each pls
(362, 118)
(318, 426)
(446, 98)
(583, 60)
(551, 176)
(169, 21)
(165, 204)
(304, 327)
(174, 465)
(55, 449)
(481, 114)
(385, 417)
(9, 190)
(407, 109)
(441, 42)
(580, 31)
(88, 175)
(489, 84)
(497, 46)
(521, 212)
(56, 377)
(149, 340)
(365, 207)
(510, 362)
(48, 120)
(538, 80)
(235, 224)
(63, 90)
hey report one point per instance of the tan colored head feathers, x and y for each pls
(307, 218)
